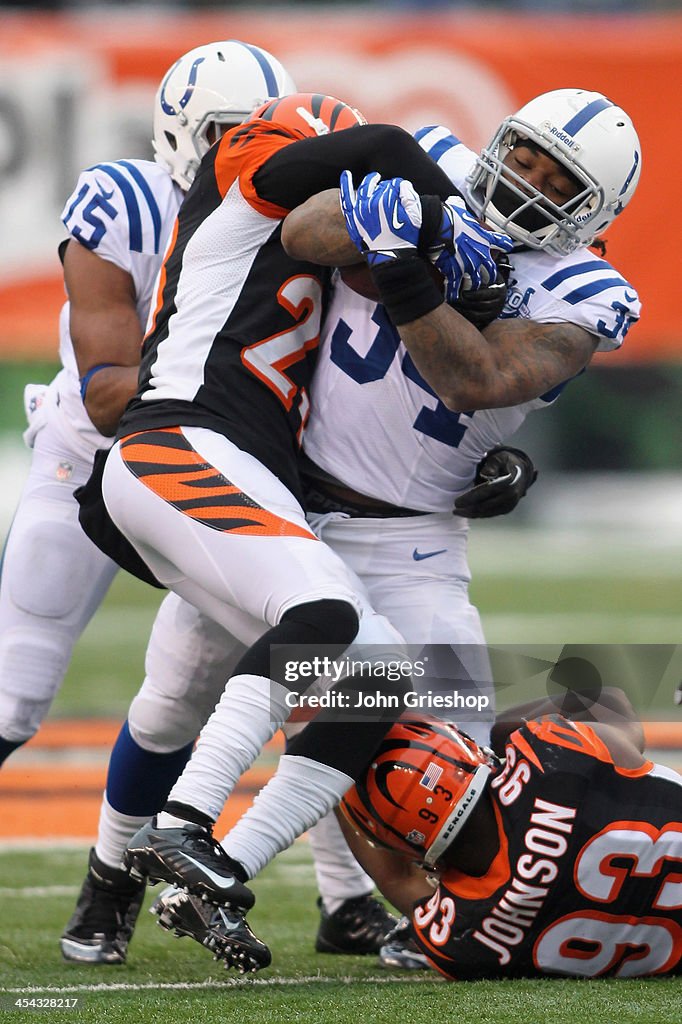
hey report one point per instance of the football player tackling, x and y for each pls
(565, 303)
(202, 483)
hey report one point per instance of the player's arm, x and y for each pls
(105, 329)
(316, 232)
(307, 167)
(508, 363)
(402, 882)
(611, 716)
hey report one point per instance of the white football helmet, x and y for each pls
(592, 138)
(218, 84)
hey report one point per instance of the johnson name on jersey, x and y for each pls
(586, 881)
(124, 212)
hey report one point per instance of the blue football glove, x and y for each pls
(462, 250)
(384, 217)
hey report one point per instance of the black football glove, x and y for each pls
(502, 478)
(484, 305)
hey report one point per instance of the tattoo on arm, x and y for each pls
(511, 362)
(316, 231)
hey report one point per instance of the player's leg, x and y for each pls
(53, 579)
(352, 920)
(281, 574)
(427, 599)
(188, 659)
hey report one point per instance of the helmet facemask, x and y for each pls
(503, 198)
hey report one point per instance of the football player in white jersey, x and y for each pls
(563, 302)
(554, 177)
(121, 215)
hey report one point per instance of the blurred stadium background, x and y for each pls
(592, 556)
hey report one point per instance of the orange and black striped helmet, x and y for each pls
(420, 788)
(310, 113)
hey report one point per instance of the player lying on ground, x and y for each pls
(560, 857)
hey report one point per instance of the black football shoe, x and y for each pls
(190, 858)
(401, 951)
(221, 929)
(358, 927)
(102, 924)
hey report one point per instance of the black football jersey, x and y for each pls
(232, 341)
(587, 881)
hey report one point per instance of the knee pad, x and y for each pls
(52, 570)
(326, 622)
(32, 667)
(164, 725)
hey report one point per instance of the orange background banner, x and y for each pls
(463, 70)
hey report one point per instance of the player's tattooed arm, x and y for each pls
(105, 329)
(316, 231)
(510, 362)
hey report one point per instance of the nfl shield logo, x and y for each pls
(415, 836)
(64, 471)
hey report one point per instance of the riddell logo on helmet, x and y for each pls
(562, 136)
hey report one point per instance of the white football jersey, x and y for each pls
(123, 211)
(377, 426)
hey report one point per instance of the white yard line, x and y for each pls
(29, 891)
(210, 983)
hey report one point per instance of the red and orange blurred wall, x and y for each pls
(75, 90)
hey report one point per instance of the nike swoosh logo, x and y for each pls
(222, 881)
(419, 556)
(229, 926)
(396, 222)
(630, 298)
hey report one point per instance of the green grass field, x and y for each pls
(176, 981)
(533, 587)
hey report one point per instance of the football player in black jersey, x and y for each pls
(202, 485)
(561, 858)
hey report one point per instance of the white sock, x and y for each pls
(339, 876)
(300, 792)
(250, 711)
(115, 832)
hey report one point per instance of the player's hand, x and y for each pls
(462, 249)
(502, 478)
(383, 218)
(484, 305)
